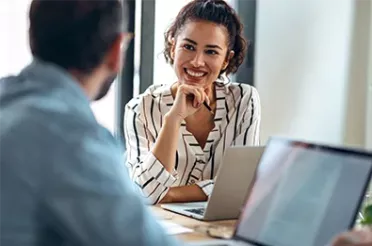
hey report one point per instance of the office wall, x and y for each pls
(14, 50)
(311, 69)
(368, 89)
(357, 93)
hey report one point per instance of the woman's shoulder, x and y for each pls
(152, 92)
(238, 90)
(157, 90)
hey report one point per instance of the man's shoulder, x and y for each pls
(54, 113)
(54, 121)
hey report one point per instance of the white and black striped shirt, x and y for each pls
(237, 122)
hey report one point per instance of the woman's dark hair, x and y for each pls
(216, 11)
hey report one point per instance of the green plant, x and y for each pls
(365, 212)
(366, 215)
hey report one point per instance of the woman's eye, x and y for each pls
(211, 52)
(188, 47)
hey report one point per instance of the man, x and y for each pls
(63, 179)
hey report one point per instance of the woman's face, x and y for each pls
(199, 53)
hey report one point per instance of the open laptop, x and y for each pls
(232, 183)
(303, 194)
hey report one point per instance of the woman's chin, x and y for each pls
(195, 82)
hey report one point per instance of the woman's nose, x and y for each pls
(198, 60)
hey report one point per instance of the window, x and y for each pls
(163, 72)
(105, 109)
(14, 48)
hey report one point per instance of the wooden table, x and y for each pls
(198, 226)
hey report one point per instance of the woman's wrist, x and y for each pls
(168, 197)
(173, 119)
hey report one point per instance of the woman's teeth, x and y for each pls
(194, 74)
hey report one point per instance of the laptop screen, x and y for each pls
(303, 194)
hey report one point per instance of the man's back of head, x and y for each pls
(74, 34)
(82, 37)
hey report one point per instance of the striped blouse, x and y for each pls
(237, 122)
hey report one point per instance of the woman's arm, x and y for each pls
(166, 145)
(151, 162)
(188, 193)
(145, 170)
(167, 142)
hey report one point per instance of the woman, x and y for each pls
(176, 134)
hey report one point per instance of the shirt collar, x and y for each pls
(55, 76)
(51, 76)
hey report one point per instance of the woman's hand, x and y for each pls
(354, 238)
(188, 100)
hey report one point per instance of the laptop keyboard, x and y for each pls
(199, 211)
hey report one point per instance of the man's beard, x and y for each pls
(105, 87)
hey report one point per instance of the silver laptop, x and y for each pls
(304, 194)
(232, 183)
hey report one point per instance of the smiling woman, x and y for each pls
(202, 53)
(174, 143)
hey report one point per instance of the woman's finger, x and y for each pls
(191, 93)
(203, 96)
(197, 98)
(198, 94)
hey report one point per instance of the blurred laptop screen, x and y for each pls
(304, 194)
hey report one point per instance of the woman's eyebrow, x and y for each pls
(213, 46)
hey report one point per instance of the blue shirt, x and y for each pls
(63, 179)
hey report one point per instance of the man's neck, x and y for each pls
(89, 83)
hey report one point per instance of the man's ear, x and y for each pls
(227, 60)
(115, 53)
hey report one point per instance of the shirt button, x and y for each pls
(192, 181)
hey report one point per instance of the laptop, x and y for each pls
(232, 182)
(303, 194)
